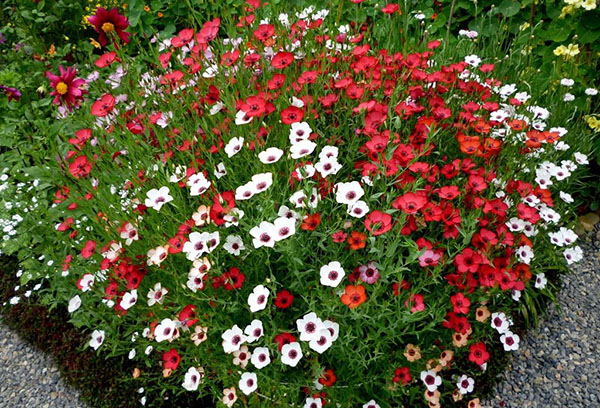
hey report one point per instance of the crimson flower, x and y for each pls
(80, 167)
(478, 353)
(171, 359)
(410, 203)
(284, 299)
(282, 60)
(103, 106)
(67, 88)
(88, 249)
(378, 222)
(291, 115)
(106, 22)
(284, 338)
(13, 94)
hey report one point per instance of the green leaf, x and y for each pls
(557, 31)
(507, 8)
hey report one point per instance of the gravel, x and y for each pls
(558, 365)
(29, 377)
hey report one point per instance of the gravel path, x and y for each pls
(29, 378)
(558, 366)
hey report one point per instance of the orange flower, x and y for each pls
(357, 240)
(311, 222)
(354, 296)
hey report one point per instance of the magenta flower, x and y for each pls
(13, 94)
(67, 89)
(429, 258)
(105, 22)
(369, 273)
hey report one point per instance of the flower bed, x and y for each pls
(285, 213)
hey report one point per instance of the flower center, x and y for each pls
(62, 88)
(108, 27)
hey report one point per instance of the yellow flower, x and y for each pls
(589, 4)
(560, 50)
(572, 50)
(95, 43)
(593, 122)
(524, 26)
(52, 50)
(567, 10)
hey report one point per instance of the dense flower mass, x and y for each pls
(292, 212)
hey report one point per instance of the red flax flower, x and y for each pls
(80, 167)
(171, 359)
(284, 299)
(357, 240)
(478, 353)
(106, 22)
(354, 296)
(311, 222)
(410, 203)
(378, 222)
(67, 88)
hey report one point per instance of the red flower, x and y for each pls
(254, 106)
(282, 60)
(88, 249)
(402, 375)
(106, 59)
(67, 88)
(311, 222)
(410, 203)
(233, 279)
(171, 359)
(378, 222)
(292, 115)
(357, 240)
(264, 32)
(188, 315)
(106, 22)
(80, 167)
(103, 106)
(390, 9)
(339, 236)
(284, 299)
(478, 353)
(284, 338)
(461, 303)
(468, 261)
(328, 378)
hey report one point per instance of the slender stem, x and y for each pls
(450, 19)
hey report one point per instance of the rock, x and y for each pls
(588, 221)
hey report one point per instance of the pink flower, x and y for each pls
(67, 88)
(105, 22)
(429, 258)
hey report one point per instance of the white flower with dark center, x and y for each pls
(358, 210)
(549, 215)
(245, 192)
(220, 170)
(254, 331)
(510, 341)
(313, 403)
(525, 254)
(195, 280)
(329, 153)
(165, 330)
(257, 300)
(291, 354)
(348, 193)
(500, 322)
(196, 246)
(86, 282)
(262, 181)
(465, 384)
(198, 184)
(581, 158)
(332, 274)
(327, 167)
(299, 199)
(299, 132)
(234, 145)
(156, 295)
(371, 404)
(234, 245)
(271, 155)
(260, 357)
(431, 380)
(74, 304)
(233, 218)
(192, 379)
(97, 339)
(573, 255)
(284, 228)
(233, 339)
(305, 172)
(322, 341)
(302, 148)
(286, 212)
(566, 197)
(540, 281)
(309, 326)
(157, 198)
(473, 60)
(241, 118)
(263, 235)
(248, 383)
(129, 299)
(241, 356)
(334, 329)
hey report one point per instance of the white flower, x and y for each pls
(165, 330)
(97, 339)
(242, 119)
(198, 184)
(302, 148)
(334, 329)
(581, 158)
(260, 357)
(309, 326)
(473, 60)
(271, 155)
(568, 97)
(500, 322)
(322, 341)
(299, 131)
(313, 403)
(325, 167)
(465, 384)
(233, 339)
(525, 254)
(254, 331)
(358, 210)
(284, 211)
(510, 341)
(248, 383)
(156, 295)
(234, 145)
(262, 181)
(291, 354)
(540, 281)
(234, 217)
(86, 282)
(284, 228)
(332, 274)
(257, 300)
(157, 198)
(234, 245)
(220, 170)
(298, 199)
(591, 91)
(129, 299)
(192, 379)
(305, 172)
(131, 354)
(195, 280)
(568, 82)
(431, 380)
(244, 192)
(573, 255)
(348, 193)
(197, 245)
(263, 235)
(74, 303)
